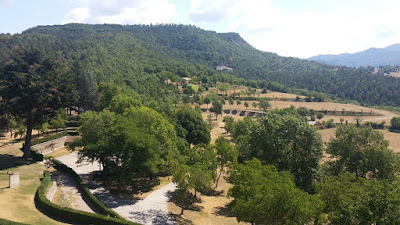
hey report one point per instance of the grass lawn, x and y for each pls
(17, 204)
(194, 87)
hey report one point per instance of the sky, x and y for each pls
(297, 28)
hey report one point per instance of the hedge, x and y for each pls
(98, 205)
(7, 222)
(49, 138)
(68, 214)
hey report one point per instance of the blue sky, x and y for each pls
(299, 28)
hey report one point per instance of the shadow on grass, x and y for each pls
(224, 211)
(10, 161)
(212, 192)
(179, 220)
(126, 190)
(186, 200)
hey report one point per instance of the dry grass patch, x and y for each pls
(384, 115)
(59, 152)
(213, 209)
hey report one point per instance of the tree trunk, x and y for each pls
(28, 138)
(216, 183)
(181, 211)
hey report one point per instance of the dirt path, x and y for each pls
(151, 210)
(68, 188)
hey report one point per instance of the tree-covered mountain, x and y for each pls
(371, 57)
(134, 56)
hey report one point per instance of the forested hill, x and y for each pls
(371, 57)
(131, 54)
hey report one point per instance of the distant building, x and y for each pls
(168, 81)
(219, 68)
(313, 123)
(186, 80)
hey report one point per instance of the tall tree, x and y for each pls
(226, 154)
(216, 108)
(192, 121)
(32, 88)
(262, 195)
(264, 104)
(362, 151)
(288, 142)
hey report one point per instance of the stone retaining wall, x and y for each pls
(51, 192)
(50, 146)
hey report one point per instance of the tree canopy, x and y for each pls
(265, 196)
(33, 88)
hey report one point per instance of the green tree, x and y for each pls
(264, 104)
(87, 88)
(121, 102)
(303, 111)
(231, 102)
(59, 121)
(223, 88)
(107, 93)
(254, 104)
(362, 151)
(395, 122)
(32, 89)
(351, 200)
(192, 121)
(320, 116)
(226, 154)
(246, 104)
(207, 100)
(262, 195)
(216, 108)
(238, 102)
(229, 123)
(297, 151)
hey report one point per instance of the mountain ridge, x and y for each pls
(136, 55)
(375, 57)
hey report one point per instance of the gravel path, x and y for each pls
(67, 185)
(151, 210)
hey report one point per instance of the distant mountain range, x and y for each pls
(371, 57)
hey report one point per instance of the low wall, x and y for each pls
(50, 146)
(52, 191)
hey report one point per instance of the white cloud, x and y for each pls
(121, 11)
(332, 28)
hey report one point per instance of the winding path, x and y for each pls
(151, 210)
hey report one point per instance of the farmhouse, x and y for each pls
(186, 80)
